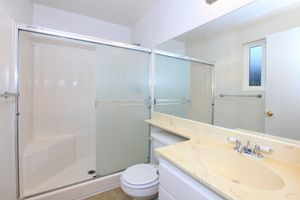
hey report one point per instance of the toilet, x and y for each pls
(141, 181)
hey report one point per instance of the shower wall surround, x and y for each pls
(57, 121)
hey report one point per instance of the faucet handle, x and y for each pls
(265, 149)
(256, 150)
(235, 141)
(248, 146)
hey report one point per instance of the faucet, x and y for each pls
(247, 149)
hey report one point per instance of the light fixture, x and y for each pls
(210, 1)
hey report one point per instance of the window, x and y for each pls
(254, 65)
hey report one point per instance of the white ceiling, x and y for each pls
(122, 12)
(240, 18)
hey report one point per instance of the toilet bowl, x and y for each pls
(140, 181)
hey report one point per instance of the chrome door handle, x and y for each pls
(9, 94)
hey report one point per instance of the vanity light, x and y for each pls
(210, 1)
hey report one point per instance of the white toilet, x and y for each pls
(141, 181)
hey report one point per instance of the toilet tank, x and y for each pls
(160, 138)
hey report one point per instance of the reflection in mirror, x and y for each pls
(183, 88)
(256, 73)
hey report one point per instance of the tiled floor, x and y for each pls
(115, 194)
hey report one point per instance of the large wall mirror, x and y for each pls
(254, 84)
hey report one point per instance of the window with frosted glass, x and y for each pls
(255, 65)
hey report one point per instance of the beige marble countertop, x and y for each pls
(285, 163)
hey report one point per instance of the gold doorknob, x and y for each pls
(269, 113)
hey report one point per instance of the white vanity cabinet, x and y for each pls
(174, 184)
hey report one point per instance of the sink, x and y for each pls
(237, 168)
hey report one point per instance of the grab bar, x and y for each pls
(9, 94)
(241, 95)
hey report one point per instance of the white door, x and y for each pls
(283, 84)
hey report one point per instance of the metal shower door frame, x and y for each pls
(90, 39)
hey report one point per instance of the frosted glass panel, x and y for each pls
(172, 86)
(183, 89)
(122, 79)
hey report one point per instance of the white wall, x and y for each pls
(60, 82)
(173, 46)
(170, 18)
(226, 49)
(10, 11)
(67, 21)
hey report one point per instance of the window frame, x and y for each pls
(246, 65)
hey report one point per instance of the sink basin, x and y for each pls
(237, 168)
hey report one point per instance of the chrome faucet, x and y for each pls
(247, 149)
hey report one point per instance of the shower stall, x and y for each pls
(82, 102)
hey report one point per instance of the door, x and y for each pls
(122, 93)
(283, 84)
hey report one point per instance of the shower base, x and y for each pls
(82, 190)
(49, 163)
(74, 173)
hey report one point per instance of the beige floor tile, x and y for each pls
(115, 194)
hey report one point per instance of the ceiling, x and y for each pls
(122, 12)
(239, 19)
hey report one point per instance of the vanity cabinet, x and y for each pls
(174, 184)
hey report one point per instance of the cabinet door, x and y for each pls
(164, 195)
(179, 185)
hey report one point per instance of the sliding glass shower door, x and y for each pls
(122, 94)
(82, 108)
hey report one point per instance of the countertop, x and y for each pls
(284, 161)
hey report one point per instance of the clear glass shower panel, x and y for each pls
(122, 93)
(183, 88)
(57, 87)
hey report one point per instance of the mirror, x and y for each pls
(254, 84)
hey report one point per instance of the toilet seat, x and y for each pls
(140, 181)
(140, 176)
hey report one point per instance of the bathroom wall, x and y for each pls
(10, 11)
(64, 92)
(67, 21)
(245, 113)
(173, 46)
(169, 18)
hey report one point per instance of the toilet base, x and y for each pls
(154, 197)
(141, 194)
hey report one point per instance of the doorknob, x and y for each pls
(269, 114)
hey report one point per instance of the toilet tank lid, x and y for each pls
(141, 174)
